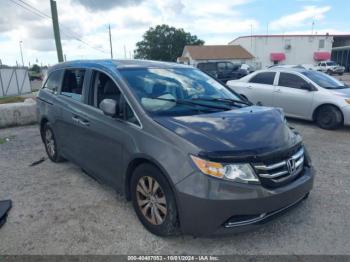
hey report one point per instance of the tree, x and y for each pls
(35, 68)
(164, 43)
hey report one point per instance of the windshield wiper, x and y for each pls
(188, 102)
(227, 100)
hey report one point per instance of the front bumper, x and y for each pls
(338, 70)
(209, 206)
(346, 114)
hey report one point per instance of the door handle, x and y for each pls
(250, 87)
(75, 119)
(84, 122)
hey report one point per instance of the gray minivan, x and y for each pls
(192, 155)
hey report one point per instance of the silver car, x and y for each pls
(302, 93)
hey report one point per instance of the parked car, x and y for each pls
(330, 68)
(223, 71)
(35, 76)
(190, 154)
(304, 94)
(303, 66)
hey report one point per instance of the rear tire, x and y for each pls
(154, 201)
(329, 117)
(50, 143)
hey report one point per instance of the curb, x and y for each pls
(18, 114)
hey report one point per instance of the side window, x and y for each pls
(207, 67)
(291, 80)
(229, 66)
(72, 85)
(129, 114)
(266, 78)
(103, 87)
(53, 81)
(221, 67)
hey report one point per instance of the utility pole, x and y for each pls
(110, 40)
(56, 30)
(124, 52)
(251, 36)
(20, 49)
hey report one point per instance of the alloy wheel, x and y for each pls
(151, 200)
(50, 142)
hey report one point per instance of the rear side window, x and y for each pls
(291, 80)
(221, 67)
(72, 85)
(207, 66)
(266, 78)
(53, 81)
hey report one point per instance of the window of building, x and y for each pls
(321, 43)
(54, 80)
(73, 82)
(266, 78)
(291, 80)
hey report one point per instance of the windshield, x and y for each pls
(331, 63)
(178, 91)
(324, 80)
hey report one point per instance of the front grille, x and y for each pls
(274, 174)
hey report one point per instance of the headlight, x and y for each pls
(242, 173)
(347, 100)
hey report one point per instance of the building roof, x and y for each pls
(217, 52)
(293, 35)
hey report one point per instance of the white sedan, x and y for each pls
(302, 93)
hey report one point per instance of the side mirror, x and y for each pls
(109, 107)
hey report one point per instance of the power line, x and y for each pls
(64, 29)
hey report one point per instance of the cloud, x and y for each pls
(102, 5)
(301, 18)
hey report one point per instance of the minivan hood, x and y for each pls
(251, 130)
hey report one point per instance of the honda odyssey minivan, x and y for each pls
(191, 155)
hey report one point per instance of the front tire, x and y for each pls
(329, 117)
(50, 143)
(154, 201)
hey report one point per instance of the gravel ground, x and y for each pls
(57, 209)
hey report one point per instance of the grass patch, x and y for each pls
(3, 140)
(11, 99)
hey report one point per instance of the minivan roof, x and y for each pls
(113, 64)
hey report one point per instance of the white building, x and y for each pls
(192, 55)
(286, 49)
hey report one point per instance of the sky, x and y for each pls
(84, 23)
